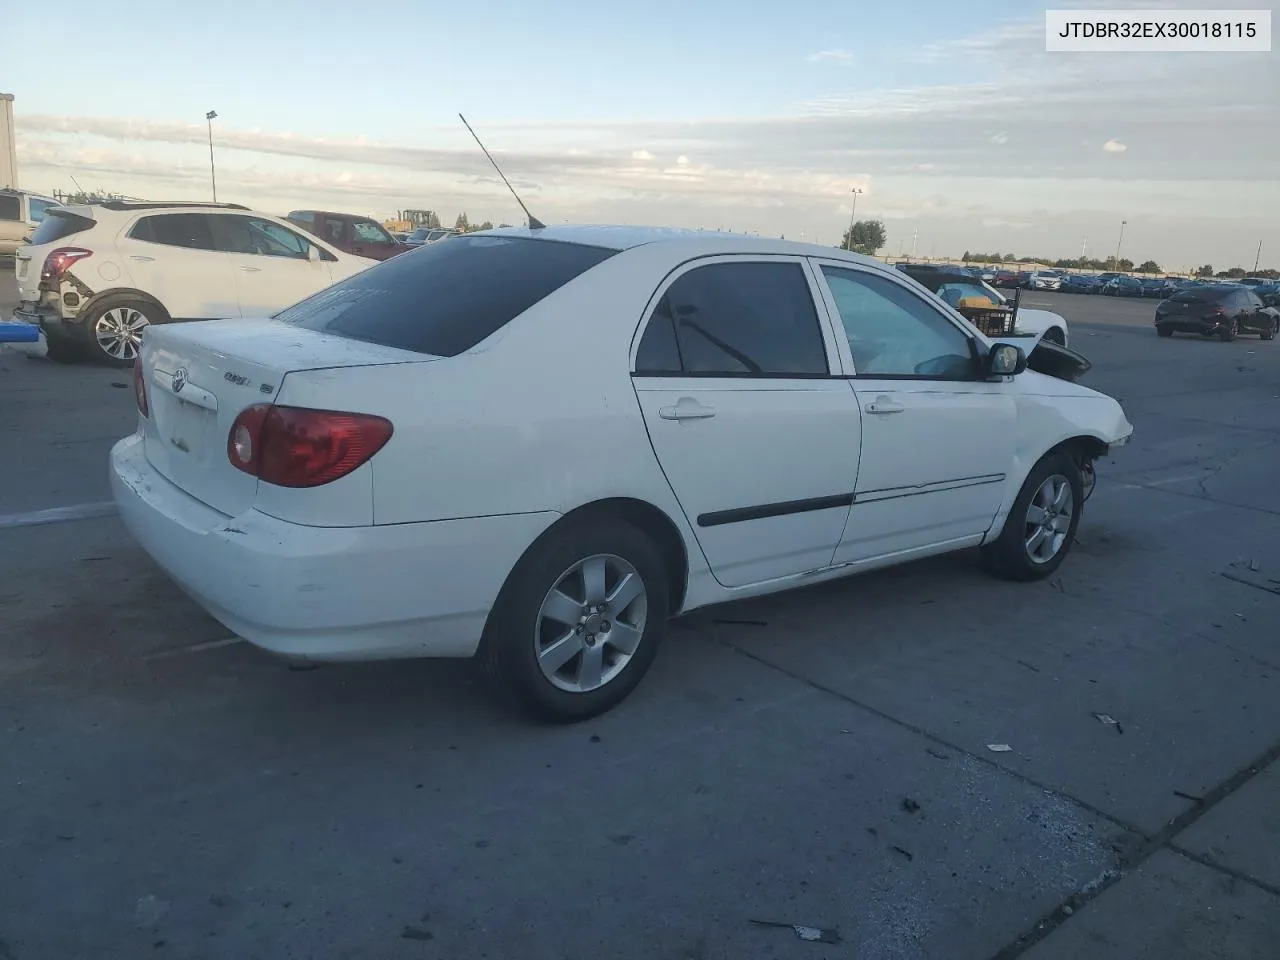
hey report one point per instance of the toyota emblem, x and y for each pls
(179, 379)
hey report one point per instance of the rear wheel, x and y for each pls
(1230, 331)
(1164, 331)
(1270, 332)
(113, 329)
(579, 620)
(1041, 525)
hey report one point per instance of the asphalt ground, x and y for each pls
(819, 758)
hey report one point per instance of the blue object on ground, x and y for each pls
(11, 332)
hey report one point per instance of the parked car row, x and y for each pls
(1224, 310)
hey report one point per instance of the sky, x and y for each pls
(960, 130)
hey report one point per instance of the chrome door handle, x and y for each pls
(883, 405)
(251, 269)
(138, 256)
(686, 409)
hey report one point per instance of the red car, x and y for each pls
(361, 236)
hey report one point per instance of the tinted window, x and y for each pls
(953, 293)
(303, 216)
(895, 333)
(253, 235)
(332, 229)
(56, 226)
(40, 208)
(446, 297)
(737, 318)
(370, 232)
(175, 230)
(10, 206)
(1202, 295)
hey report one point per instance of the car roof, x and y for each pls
(692, 242)
(333, 213)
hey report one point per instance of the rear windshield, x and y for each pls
(58, 225)
(10, 207)
(444, 298)
(1199, 296)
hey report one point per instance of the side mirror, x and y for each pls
(1005, 360)
(313, 253)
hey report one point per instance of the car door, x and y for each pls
(937, 438)
(272, 264)
(172, 257)
(736, 373)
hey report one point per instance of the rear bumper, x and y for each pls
(325, 593)
(1189, 324)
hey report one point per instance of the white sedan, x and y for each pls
(537, 446)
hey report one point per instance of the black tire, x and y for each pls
(109, 307)
(508, 649)
(1270, 332)
(62, 349)
(1164, 331)
(1008, 556)
(1230, 331)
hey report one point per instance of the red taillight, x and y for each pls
(140, 388)
(296, 447)
(57, 262)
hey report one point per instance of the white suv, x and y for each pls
(95, 275)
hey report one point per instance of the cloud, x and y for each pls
(642, 155)
(1000, 137)
(1114, 146)
(830, 56)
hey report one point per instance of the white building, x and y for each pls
(8, 148)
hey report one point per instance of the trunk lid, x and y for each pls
(200, 375)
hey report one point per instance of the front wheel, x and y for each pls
(579, 620)
(1041, 525)
(1164, 331)
(1270, 332)
(1230, 331)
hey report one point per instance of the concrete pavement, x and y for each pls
(818, 758)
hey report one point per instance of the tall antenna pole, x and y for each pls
(211, 116)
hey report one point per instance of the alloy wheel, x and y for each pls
(1048, 519)
(119, 332)
(590, 623)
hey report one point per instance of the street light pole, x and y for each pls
(1116, 265)
(848, 245)
(211, 116)
(1258, 258)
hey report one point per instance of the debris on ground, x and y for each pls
(416, 933)
(906, 853)
(812, 934)
(910, 806)
(999, 747)
(937, 755)
(1109, 721)
(1029, 666)
(1189, 796)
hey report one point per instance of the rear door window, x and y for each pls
(744, 319)
(10, 206)
(334, 230)
(447, 297)
(190, 230)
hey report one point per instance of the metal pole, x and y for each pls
(213, 176)
(1258, 258)
(848, 245)
(1116, 265)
